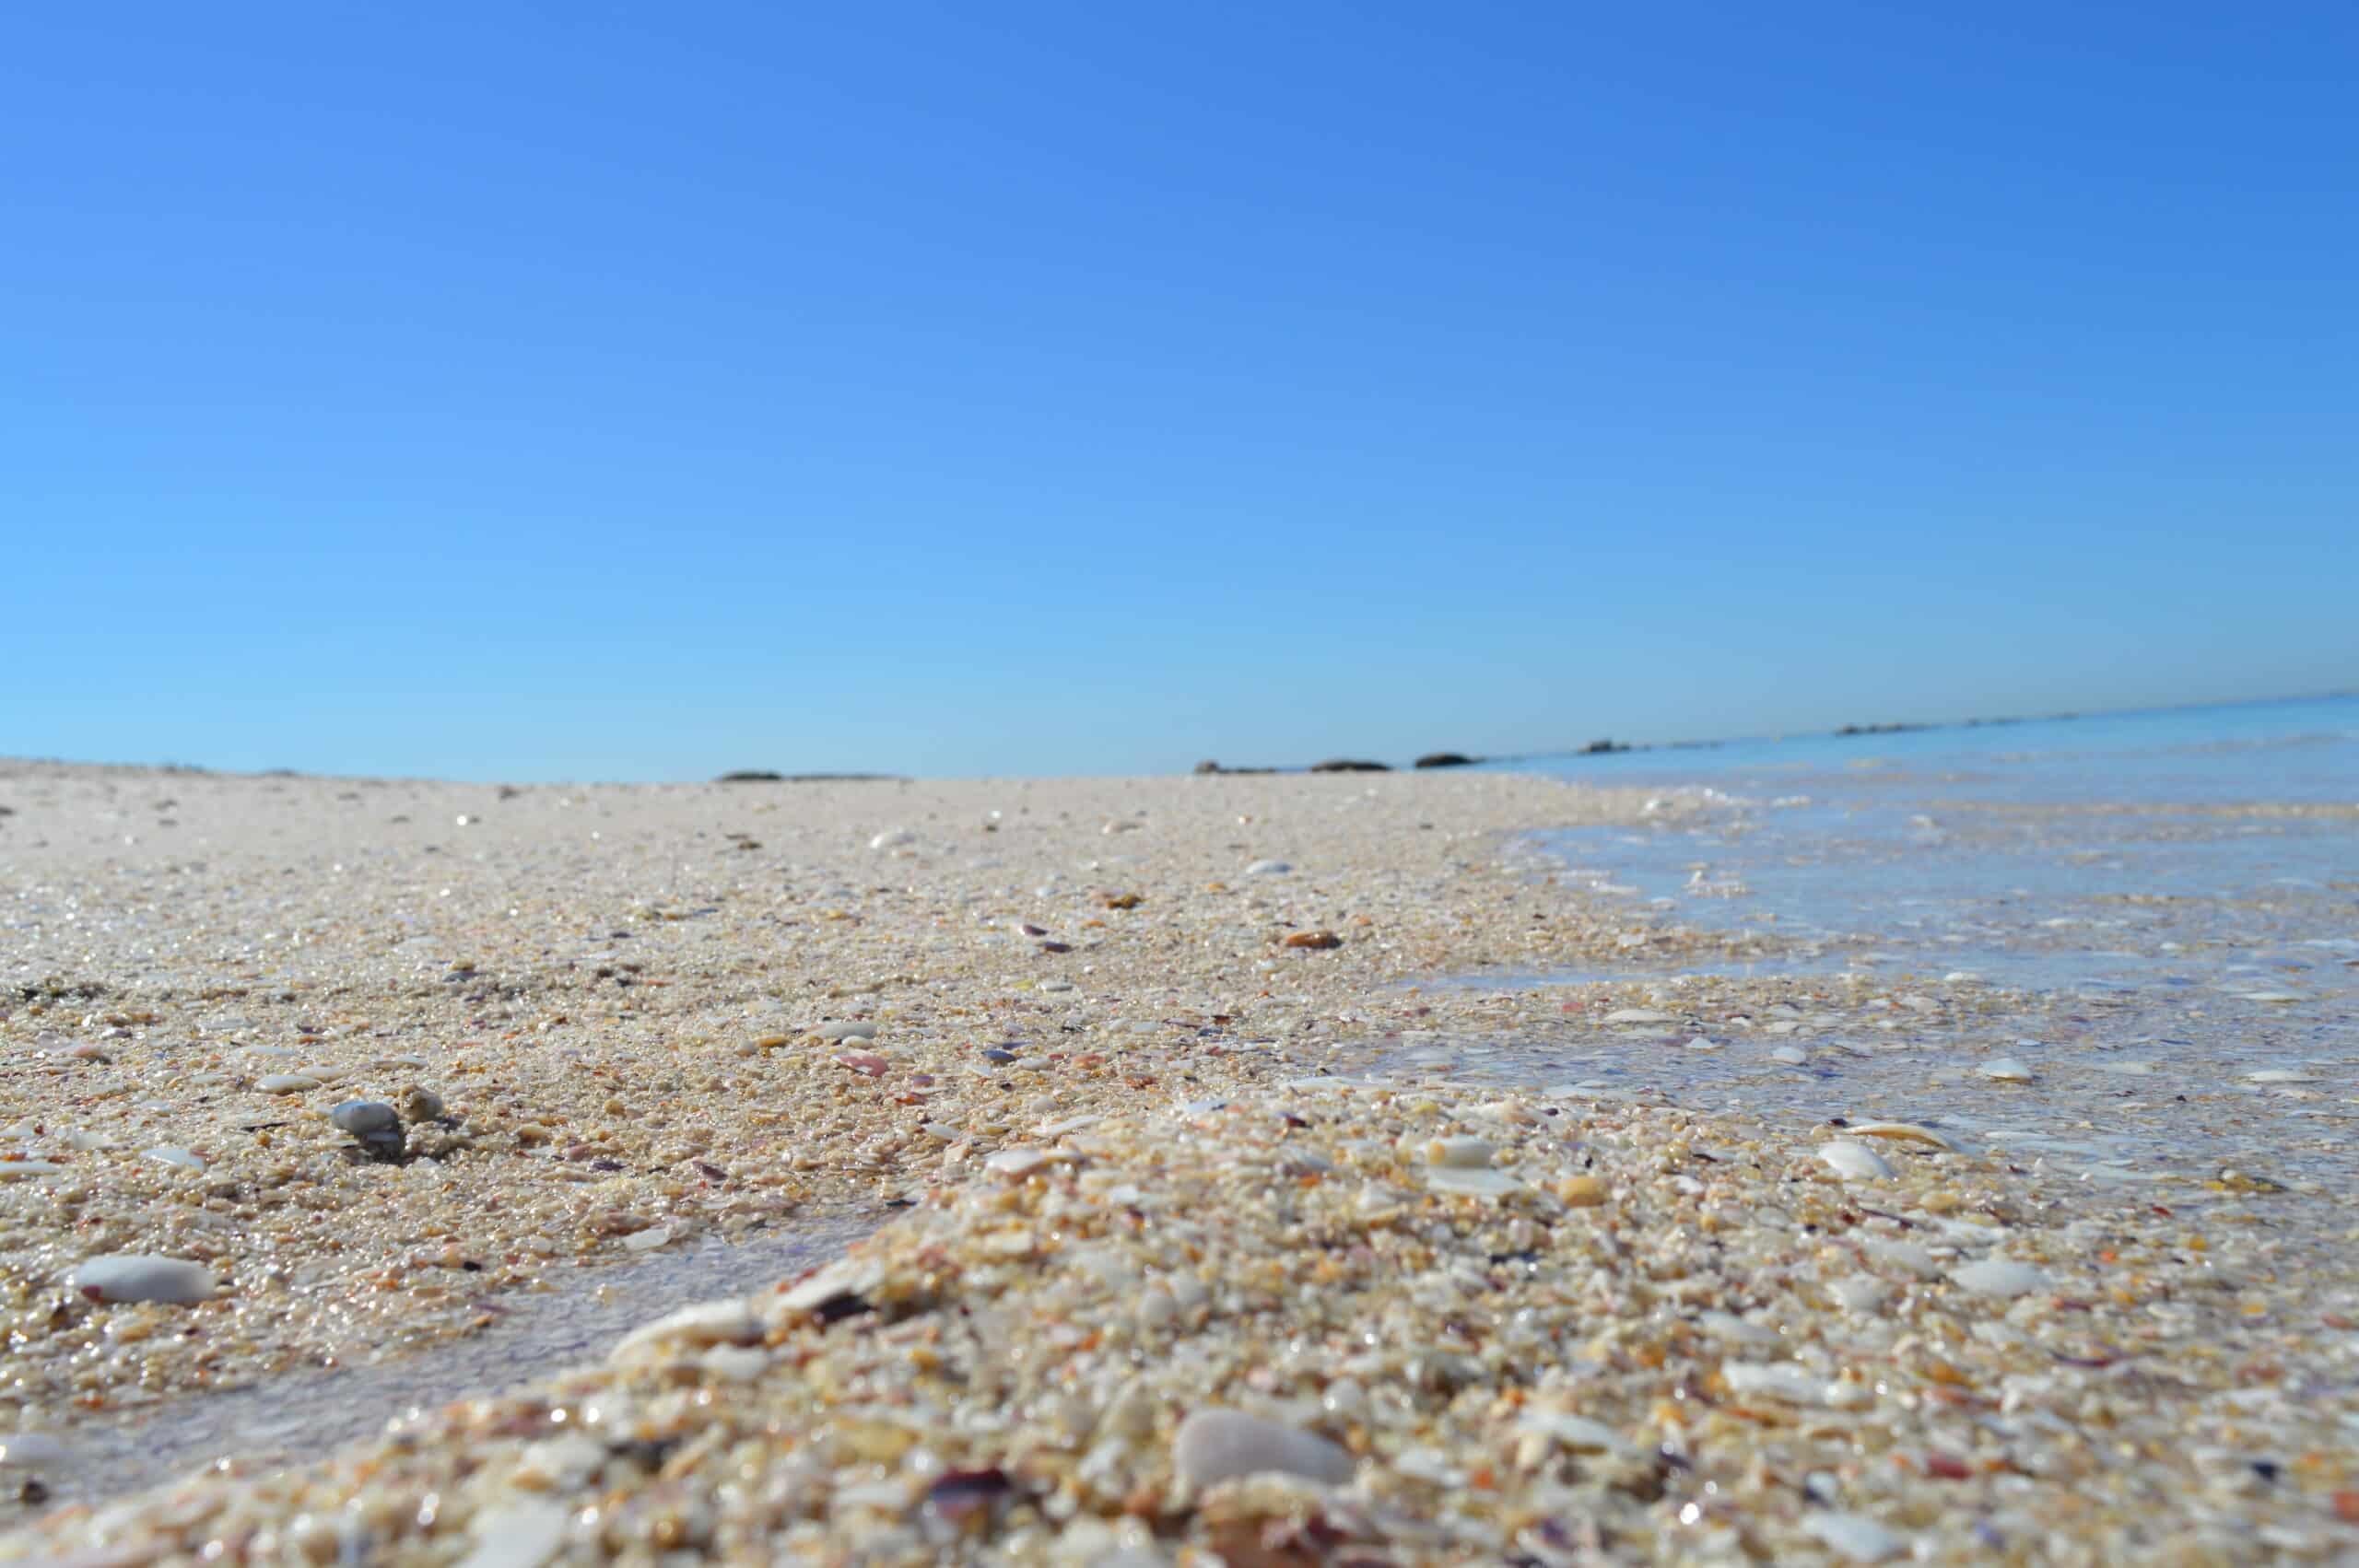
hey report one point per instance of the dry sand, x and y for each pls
(1475, 1325)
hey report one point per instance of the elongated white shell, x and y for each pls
(1902, 1132)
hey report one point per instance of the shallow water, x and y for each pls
(295, 1418)
(2146, 910)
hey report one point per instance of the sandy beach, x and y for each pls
(1160, 1248)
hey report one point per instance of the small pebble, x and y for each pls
(361, 1117)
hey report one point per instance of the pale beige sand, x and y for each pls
(175, 939)
(1552, 1366)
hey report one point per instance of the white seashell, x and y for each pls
(12, 1170)
(1854, 1162)
(1638, 1015)
(1465, 1183)
(1215, 1445)
(1856, 1536)
(841, 1032)
(1792, 1056)
(1268, 868)
(2008, 1069)
(647, 1240)
(893, 838)
(728, 1321)
(1859, 1294)
(286, 1083)
(2281, 1075)
(172, 1156)
(2000, 1277)
(1901, 1131)
(1459, 1153)
(131, 1276)
(320, 1071)
(522, 1535)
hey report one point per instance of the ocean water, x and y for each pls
(2157, 913)
(2102, 850)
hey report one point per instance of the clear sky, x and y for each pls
(642, 390)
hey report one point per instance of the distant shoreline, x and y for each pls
(1605, 746)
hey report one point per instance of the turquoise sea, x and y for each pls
(2155, 914)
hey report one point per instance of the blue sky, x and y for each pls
(640, 391)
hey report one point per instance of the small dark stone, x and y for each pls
(852, 1303)
(961, 1493)
(998, 1056)
(647, 1453)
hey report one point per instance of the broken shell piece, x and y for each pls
(2008, 1069)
